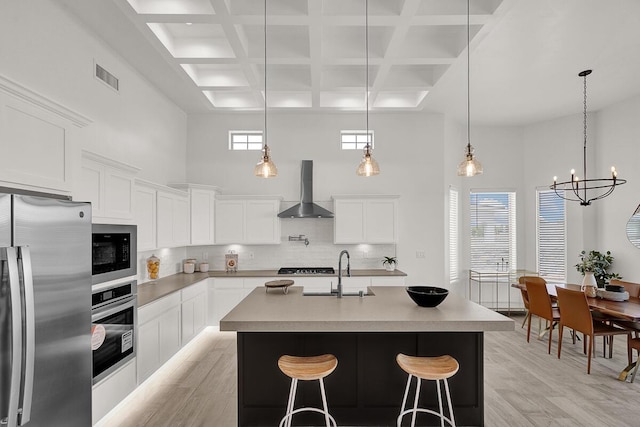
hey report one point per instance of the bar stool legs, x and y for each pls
(307, 369)
(428, 368)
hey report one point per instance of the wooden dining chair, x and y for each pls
(575, 314)
(525, 297)
(630, 325)
(634, 344)
(540, 305)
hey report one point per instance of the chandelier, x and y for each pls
(586, 190)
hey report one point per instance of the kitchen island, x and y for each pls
(365, 334)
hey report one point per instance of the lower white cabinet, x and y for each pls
(193, 310)
(158, 334)
(112, 390)
(225, 293)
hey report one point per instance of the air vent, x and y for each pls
(107, 77)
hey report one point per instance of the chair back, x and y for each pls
(632, 288)
(574, 310)
(539, 299)
(523, 280)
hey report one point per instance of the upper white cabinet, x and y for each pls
(144, 215)
(247, 220)
(202, 212)
(172, 218)
(365, 219)
(36, 140)
(109, 186)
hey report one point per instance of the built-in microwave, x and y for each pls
(113, 252)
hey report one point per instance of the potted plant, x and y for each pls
(596, 264)
(389, 263)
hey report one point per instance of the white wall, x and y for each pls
(408, 146)
(45, 49)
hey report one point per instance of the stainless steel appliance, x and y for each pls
(306, 270)
(306, 208)
(113, 328)
(45, 295)
(113, 252)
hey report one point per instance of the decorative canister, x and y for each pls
(231, 261)
(189, 267)
(204, 267)
(153, 267)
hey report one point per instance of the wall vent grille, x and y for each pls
(107, 77)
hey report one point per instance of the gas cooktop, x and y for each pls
(306, 270)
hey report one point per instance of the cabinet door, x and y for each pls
(118, 196)
(169, 333)
(148, 349)
(349, 225)
(145, 218)
(380, 221)
(202, 211)
(180, 221)
(229, 221)
(188, 320)
(262, 224)
(164, 215)
(91, 186)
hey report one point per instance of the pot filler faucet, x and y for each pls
(340, 271)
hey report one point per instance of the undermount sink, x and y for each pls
(366, 293)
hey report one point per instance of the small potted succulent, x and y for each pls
(389, 263)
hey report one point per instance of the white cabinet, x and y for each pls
(144, 215)
(172, 213)
(370, 219)
(112, 390)
(247, 220)
(109, 186)
(36, 140)
(225, 293)
(194, 309)
(158, 334)
(202, 210)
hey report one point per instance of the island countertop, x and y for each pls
(389, 310)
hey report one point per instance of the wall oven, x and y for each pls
(113, 328)
(113, 252)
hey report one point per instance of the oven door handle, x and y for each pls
(108, 310)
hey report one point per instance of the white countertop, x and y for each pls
(389, 310)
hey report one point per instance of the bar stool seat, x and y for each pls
(437, 369)
(307, 368)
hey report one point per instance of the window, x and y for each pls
(493, 230)
(245, 140)
(355, 139)
(453, 235)
(551, 236)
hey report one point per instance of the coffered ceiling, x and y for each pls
(208, 55)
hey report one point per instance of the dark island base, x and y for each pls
(367, 387)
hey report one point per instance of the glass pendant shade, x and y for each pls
(368, 166)
(265, 167)
(469, 166)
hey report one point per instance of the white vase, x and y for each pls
(390, 267)
(589, 279)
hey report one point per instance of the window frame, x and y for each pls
(248, 134)
(358, 145)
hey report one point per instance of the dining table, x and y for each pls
(624, 310)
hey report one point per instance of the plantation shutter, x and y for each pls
(454, 265)
(493, 230)
(551, 236)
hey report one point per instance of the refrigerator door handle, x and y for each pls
(16, 337)
(24, 253)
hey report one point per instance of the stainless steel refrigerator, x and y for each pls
(45, 312)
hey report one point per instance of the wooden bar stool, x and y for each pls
(432, 369)
(307, 369)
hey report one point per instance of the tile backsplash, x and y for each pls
(321, 251)
(171, 260)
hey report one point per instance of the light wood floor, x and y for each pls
(524, 386)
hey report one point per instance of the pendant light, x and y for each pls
(368, 166)
(469, 166)
(581, 190)
(265, 167)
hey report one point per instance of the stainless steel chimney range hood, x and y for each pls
(306, 208)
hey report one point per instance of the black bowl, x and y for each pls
(427, 296)
(614, 288)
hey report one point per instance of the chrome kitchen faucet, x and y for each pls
(340, 270)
